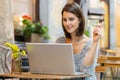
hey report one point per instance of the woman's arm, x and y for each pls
(90, 56)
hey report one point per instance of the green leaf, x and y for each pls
(86, 32)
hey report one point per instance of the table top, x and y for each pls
(43, 76)
(112, 62)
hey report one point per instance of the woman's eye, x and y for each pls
(71, 19)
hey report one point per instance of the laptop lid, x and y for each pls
(51, 58)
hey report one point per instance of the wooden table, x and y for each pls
(43, 76)
(112, 62)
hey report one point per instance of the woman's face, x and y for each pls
(70, 22)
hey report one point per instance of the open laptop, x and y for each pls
(51, 58)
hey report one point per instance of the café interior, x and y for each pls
(47, 13)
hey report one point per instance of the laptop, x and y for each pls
(51, 58)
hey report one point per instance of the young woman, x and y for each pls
(85, 50)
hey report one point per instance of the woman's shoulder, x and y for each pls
(87, 41)
(61, 39)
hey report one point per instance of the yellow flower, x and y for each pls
(16, 53)
(15, 48)
(24, 53)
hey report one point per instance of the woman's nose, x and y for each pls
(67, 22)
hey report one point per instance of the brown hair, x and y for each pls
(74, 8)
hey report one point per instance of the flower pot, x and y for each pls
(35, 38)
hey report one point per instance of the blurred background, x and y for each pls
(48, 12)
(40, 21)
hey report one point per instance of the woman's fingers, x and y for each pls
(98, 30)
(99, 25)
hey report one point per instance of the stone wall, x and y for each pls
(6, 22)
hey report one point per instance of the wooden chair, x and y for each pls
(100, 68)
(114, 58)
(103, 58)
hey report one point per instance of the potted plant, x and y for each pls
(34, 28)
(16, 57)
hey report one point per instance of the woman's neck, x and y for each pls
(74, 38)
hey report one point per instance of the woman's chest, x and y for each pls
(77, 47)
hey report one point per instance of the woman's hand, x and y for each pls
(97, 33)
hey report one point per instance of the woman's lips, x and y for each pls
(69, 27)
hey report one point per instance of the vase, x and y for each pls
(35, 38)
(16, 66)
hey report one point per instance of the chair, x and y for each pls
(114, 58)
(101, 68)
